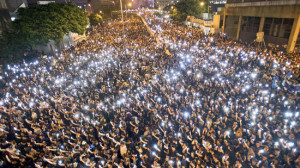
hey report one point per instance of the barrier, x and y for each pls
(153, 35)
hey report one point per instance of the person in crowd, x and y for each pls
(125, 99)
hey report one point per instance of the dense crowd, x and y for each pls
(124, 99)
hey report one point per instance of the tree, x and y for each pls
(38, 24)
(50, 22)
(185, 8)
(95, 19)
(13, 43)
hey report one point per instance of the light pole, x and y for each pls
(202, 4)
(129, 5)
(121, 6)
(126, 9)
(207, 7)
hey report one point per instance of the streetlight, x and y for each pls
(202, 4)
(121, 5)
(129, 5)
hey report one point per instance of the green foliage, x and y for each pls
(38, 24)
(95, 19)
(13, 43)
(50, 22)
(185, 8)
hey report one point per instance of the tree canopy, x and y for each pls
(184, 8)
(38, 24)
(95, 19)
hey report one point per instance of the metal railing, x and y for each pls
(205, 23)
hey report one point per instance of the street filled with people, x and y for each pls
(124, 98)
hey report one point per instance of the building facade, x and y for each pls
(278, 19)
(216, 5)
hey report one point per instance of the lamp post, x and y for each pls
(208, 7)
(121, 6)
(202, 4)
(129, 5)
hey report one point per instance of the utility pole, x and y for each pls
(126, 9)
(121, 5)
(207, 7)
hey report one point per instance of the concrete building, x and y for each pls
(216, 5)
(278, 19)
